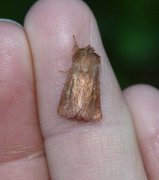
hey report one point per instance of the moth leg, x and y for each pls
(75, 47)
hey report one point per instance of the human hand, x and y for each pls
(73, 150)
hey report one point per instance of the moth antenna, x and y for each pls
(75, 44)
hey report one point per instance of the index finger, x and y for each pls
(107, 149)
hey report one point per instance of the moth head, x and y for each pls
(86, 52)
(86, 59)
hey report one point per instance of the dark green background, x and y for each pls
(130, 33)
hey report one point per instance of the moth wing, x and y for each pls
(92, 110)
(68, 103)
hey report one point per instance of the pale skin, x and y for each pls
(35, 143)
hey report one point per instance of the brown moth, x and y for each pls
(80, 99)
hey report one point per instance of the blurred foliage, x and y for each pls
(130, 32)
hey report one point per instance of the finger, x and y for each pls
(21, 150)
(104, 150)
(144, 104)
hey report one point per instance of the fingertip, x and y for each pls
(11, 22)
(143, 98)
(140, 90)
(13, 47)
(59, 20)
(143, 102)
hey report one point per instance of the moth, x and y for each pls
(80, 99)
